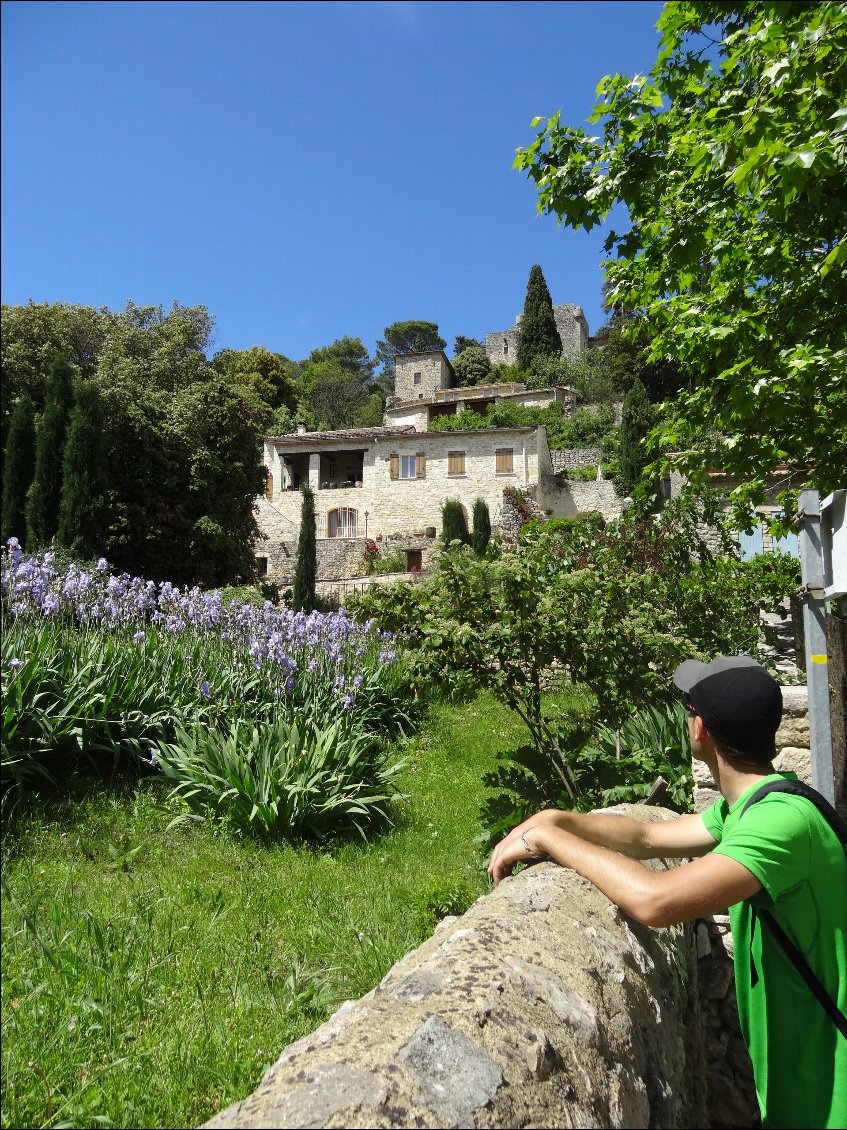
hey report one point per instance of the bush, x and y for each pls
(288, 778)
(454, 525)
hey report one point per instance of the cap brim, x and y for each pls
(689, 673)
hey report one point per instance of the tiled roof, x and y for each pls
(342, 434)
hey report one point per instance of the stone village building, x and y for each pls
(390, 483)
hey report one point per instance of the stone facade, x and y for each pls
(418, 375)
(575, 457)
(402, 479)
(502, 346)
(543, 1005)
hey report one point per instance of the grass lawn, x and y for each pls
(149, 977)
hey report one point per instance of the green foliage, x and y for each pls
(539, 335)
(270, 377)
(84, 475)
(481, 527)
(337, 387)
(18, 470)
(636, 420)
(454, 525)
(472, 366)
(617, 606)
(461, 343)
(288, 778)
(303, 597)
(586, 428)
(730, 160)
(45, 493)
(407, 337)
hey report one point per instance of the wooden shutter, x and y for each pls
(420, 465)
(394, 465)
(503, 456)
(269, 486)
(455, 462)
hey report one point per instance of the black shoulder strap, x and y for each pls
(798, 788)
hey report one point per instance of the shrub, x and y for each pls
(481, 527)
(454, 525)
(472, 366)
(303, 599)
(288, 778)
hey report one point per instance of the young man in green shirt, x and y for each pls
(779, 856)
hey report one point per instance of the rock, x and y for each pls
(796, 760)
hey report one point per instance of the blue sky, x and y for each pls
(304, 170)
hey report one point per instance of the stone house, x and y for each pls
(390, 483)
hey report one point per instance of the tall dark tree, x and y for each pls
(539, 334)
(481, 527)
(18, 469)
(303, 594)
(461, 343)
(637, 419)
(82, 509)
(407, 337)
(454, 525)
(45, 494)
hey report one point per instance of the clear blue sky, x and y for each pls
(304, 170)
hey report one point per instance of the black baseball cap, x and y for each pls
(739, 701)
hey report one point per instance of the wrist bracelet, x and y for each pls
(528, 849)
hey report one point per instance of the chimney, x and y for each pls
(301, 429)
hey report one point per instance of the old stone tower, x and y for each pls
(502, 345)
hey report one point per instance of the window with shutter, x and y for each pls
(421, 465)
(504, 460)
(455, 462)
(408, 467)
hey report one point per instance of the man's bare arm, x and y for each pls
(656, 898)
(680, 838)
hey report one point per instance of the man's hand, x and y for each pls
(511, 850)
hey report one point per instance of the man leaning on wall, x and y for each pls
(778, 863)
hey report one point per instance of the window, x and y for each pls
(504, 460)
(416, 378)
(505, 347)
(262, 566)
(407, 466)
(455, 462)
(343, 522)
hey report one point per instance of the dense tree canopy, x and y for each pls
(407, 337)
(730, 159)
(472, 366)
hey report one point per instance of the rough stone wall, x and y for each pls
(575, 457)
(502, 345)
(564, 498)
(434, 368)
(572, 327)
(542, 1006)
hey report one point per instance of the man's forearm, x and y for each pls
(618, 833)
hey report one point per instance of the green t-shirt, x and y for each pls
(799, 1057)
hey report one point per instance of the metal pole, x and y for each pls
(814, 623)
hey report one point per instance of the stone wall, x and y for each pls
(542, 1006)
(434, 370)
(564, 498)
(575, 457)
(502, 345)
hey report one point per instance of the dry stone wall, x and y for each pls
(575, 457)
(542, 1006)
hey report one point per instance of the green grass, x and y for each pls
(149, 977)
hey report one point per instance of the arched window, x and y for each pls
(343, 522)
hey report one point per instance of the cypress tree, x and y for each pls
(303, 593)
(636, 422)
(45, 494)
(481, 527)
(18, 469)
(539, 333)
(454, 526)
(83, 477)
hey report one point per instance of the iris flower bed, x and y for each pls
(102, 670)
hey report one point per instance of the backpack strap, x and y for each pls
(798, 788)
